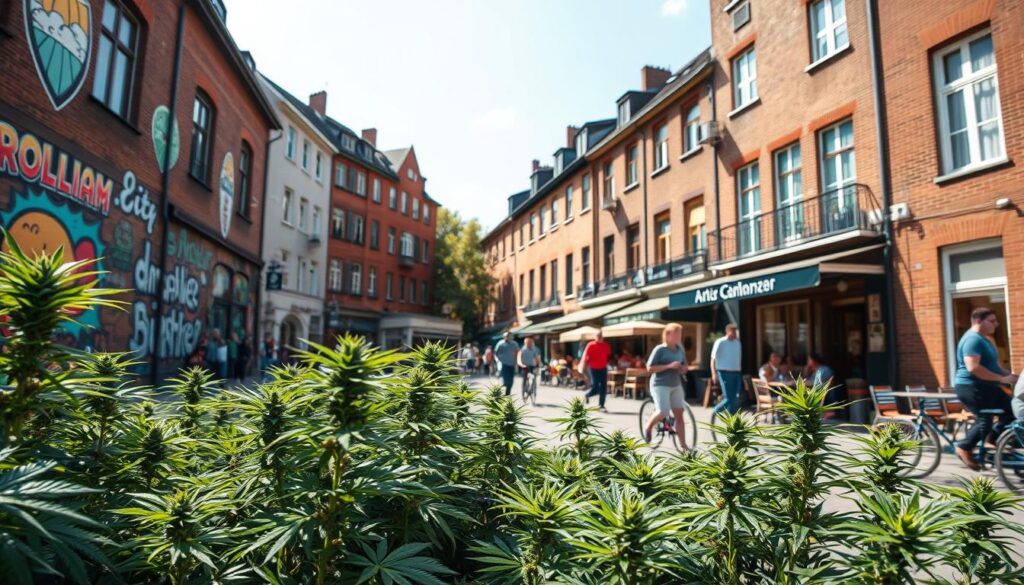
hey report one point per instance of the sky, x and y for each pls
(479, 87)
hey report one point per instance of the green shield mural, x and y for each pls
(59, 34)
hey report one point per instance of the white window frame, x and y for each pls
(371, 281)
(824, 155)
(305, 154)
(392, 198)
(405, 203)
(415, 208)
(340, 175)
(314, 277)
(408, 245)
(334, 275)
(356, 284)
(951, 290)
(426, 213)
(319, 172)
(568, 203)
(293, 136)
(586, 187)
(554, 214)
(303, 211)
(286, 206)
(624, 113)
(691, 131)
(966, 83)
(746, 189)
(376, 190)
(314, 228)
(794, 213)
(361, 183)
(632, 164)
(744, 78)
(660, 147)
(832, 28)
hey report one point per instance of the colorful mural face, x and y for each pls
(59, 34)
(227, 194)
(161, 121)
(41, 223)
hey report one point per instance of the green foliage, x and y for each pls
(461, 277)
(364, 466)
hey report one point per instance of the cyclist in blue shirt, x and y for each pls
(978, 378)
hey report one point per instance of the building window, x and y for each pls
(315, 226)
(423, 293)
(744, 79)
(789, 190)
(426, 214)
(338, 224)
(691, 134)
(522, 290)
(284, 269)
(371, 282)
(542, 227)
(391, 240)
(303, 269)
(974, 276)
(348, 142)
(392, 198)
(609, 181)
(623, 113)
(632, 248)
(361, 183)
(784, 328)
(374, 235)
(408, 245)
(303, 211)
(388, 280)
(838, 174)
(305, 154)
(543, 283)
(748, 187)
(411, 174)
(358, 231)
(425, 252)
(828, 28)
(970, 118)
(415, 208)
(114, 78)
(609, 257)
(319, 166)
(531, 287)
(376, 190)
(401, 289)
(696, 230)
(554, 279)
(356, 282)
(522, 241)
(585, 203)
(568, 275)
(290, 148)
(412, 291)
(286, 206)
(554, 213)
(533, 225)
(244, 174)
(661, 147)
(663, 237)
(334, 276)
(631, 162)
(202, 136)
(568, 202)
(585, 266)
(314, 278)
(405, 203)
(581, 142)
(340, 173)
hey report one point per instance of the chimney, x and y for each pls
(570, 136)
(536, 165)
(370, 135)
(653, 78)
(318, 101)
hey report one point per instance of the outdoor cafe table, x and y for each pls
(919, 394)
(616, 378)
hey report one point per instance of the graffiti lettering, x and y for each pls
(181, 248)
(26, 157)
(180, 336)
(134, 200)
(181, 288)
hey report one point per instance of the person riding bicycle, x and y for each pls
(667, 363)
(978, 378)
(529, 360)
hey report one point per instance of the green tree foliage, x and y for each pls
(363, 466)
(461, 278)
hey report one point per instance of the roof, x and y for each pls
(309, 114)
(397, 156)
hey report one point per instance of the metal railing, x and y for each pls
(677, 268)
(612, 284)
(833, 212)
(552, 301)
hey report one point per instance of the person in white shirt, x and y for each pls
(726, 358)
(468, 360)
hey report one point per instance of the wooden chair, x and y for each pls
(933, 407)
(764, 401)
(957, 416)
(885, 404)
(712, 393)
(636, 383)
(748, 389)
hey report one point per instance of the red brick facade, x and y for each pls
(210, 278)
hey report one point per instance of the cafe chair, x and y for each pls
(957, 417)
(885, 404)
(636, 383)
(933, 407)
(712, 392)
(764, 402)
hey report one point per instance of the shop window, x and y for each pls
(114, 78)
(974, 276)
(784, 328)
(663, 235)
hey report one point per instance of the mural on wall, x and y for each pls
(59, 35)
(161, 121)
(182, 326)
(41, 223)
(227, 194)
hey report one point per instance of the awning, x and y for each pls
(633, 329)
(583, 316)
(769, 281)
(643, 311)
(516, 330)
(532, 329)
(578, 334)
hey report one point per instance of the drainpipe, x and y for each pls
(885, 180)
(258, 334)
(165, 181)
(643, 168)
(714, 169)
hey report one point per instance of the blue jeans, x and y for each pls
(508, 376)
(731, 383)
(599, 378)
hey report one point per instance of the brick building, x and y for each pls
(954, 87)
(88, 89)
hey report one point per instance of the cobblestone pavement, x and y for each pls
(623, 414)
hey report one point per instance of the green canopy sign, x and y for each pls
(747, 288)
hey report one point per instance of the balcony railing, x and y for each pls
(656, 274)
(678, 268)
(612, 284)
(407, 261)
(553, 301)
(834, 212)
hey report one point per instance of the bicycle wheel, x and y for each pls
(1010, 460)
(527, 382)
(533, 391)
(922, 459)
(690, 424)
(711, 426)
(658, 433)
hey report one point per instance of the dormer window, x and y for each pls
(581, 142)
(558, 163)
(623, 113)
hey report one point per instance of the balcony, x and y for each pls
(621, 285)
(838, 214)
(544, 307)
(406, 261)
(681, 267)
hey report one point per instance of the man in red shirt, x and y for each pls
(595, 356)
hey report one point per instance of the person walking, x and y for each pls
(232, 356)
(529, 360)
(212, 355)
(222, 359)
(468, 361)
(478, 360)
(726, 358)
(667, 363)
(489, 361)
(507, 352)
(244, 355)
(595, 360)
(267, 356)
(977, 380)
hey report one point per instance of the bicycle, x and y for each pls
(1010, 457)
(667, 426)
(530, 388)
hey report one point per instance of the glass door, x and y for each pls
(974, 276)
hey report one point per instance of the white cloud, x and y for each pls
(674, 7)
(72, 38)
(495, 120)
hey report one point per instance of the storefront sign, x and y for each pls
(747, 288)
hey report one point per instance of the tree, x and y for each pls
(461, 279)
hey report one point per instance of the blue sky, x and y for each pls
(480, 87)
